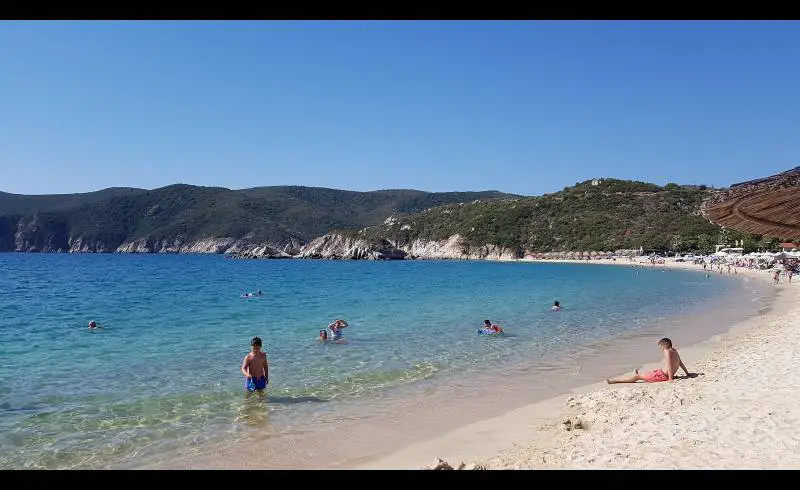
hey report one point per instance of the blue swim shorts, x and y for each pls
(253, 384)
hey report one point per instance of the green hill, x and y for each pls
(601, 215)
(106, 219)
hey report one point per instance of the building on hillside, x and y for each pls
(789, 246)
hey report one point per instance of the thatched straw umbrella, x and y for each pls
(768, 206)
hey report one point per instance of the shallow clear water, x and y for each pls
(163, 373)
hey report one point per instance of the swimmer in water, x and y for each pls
(488, 326)
(323, 337)
(336, 329)
(93, 325)
(556, 306)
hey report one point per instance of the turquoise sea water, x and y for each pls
(163, 373)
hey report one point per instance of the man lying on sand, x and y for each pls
(672, 361)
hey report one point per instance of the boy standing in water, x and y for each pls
(255, 368)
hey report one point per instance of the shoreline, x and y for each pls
(381, 439)
(443, 402)
(620, 428)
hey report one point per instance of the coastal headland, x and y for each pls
(599, 216)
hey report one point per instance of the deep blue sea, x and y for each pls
(163, 372)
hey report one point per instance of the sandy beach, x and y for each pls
(740, 411)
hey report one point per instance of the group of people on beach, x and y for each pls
(255, 367)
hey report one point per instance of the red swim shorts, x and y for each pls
(655, 376)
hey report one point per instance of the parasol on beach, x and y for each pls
(768, 206)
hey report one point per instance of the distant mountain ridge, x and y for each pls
(312, 222)
(186, 218)
(598, 215)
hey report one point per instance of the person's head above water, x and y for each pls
(556, 303)
(487, 323)
(92, 324)
(323, 334)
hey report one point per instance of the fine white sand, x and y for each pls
(741, 411)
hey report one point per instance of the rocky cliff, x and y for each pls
(455, 247)
(337, 246)
(40, 234)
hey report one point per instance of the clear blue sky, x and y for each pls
(522, 107)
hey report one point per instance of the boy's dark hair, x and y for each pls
(256, 341)
(487, 321)
(665, 341)
(556, 303)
